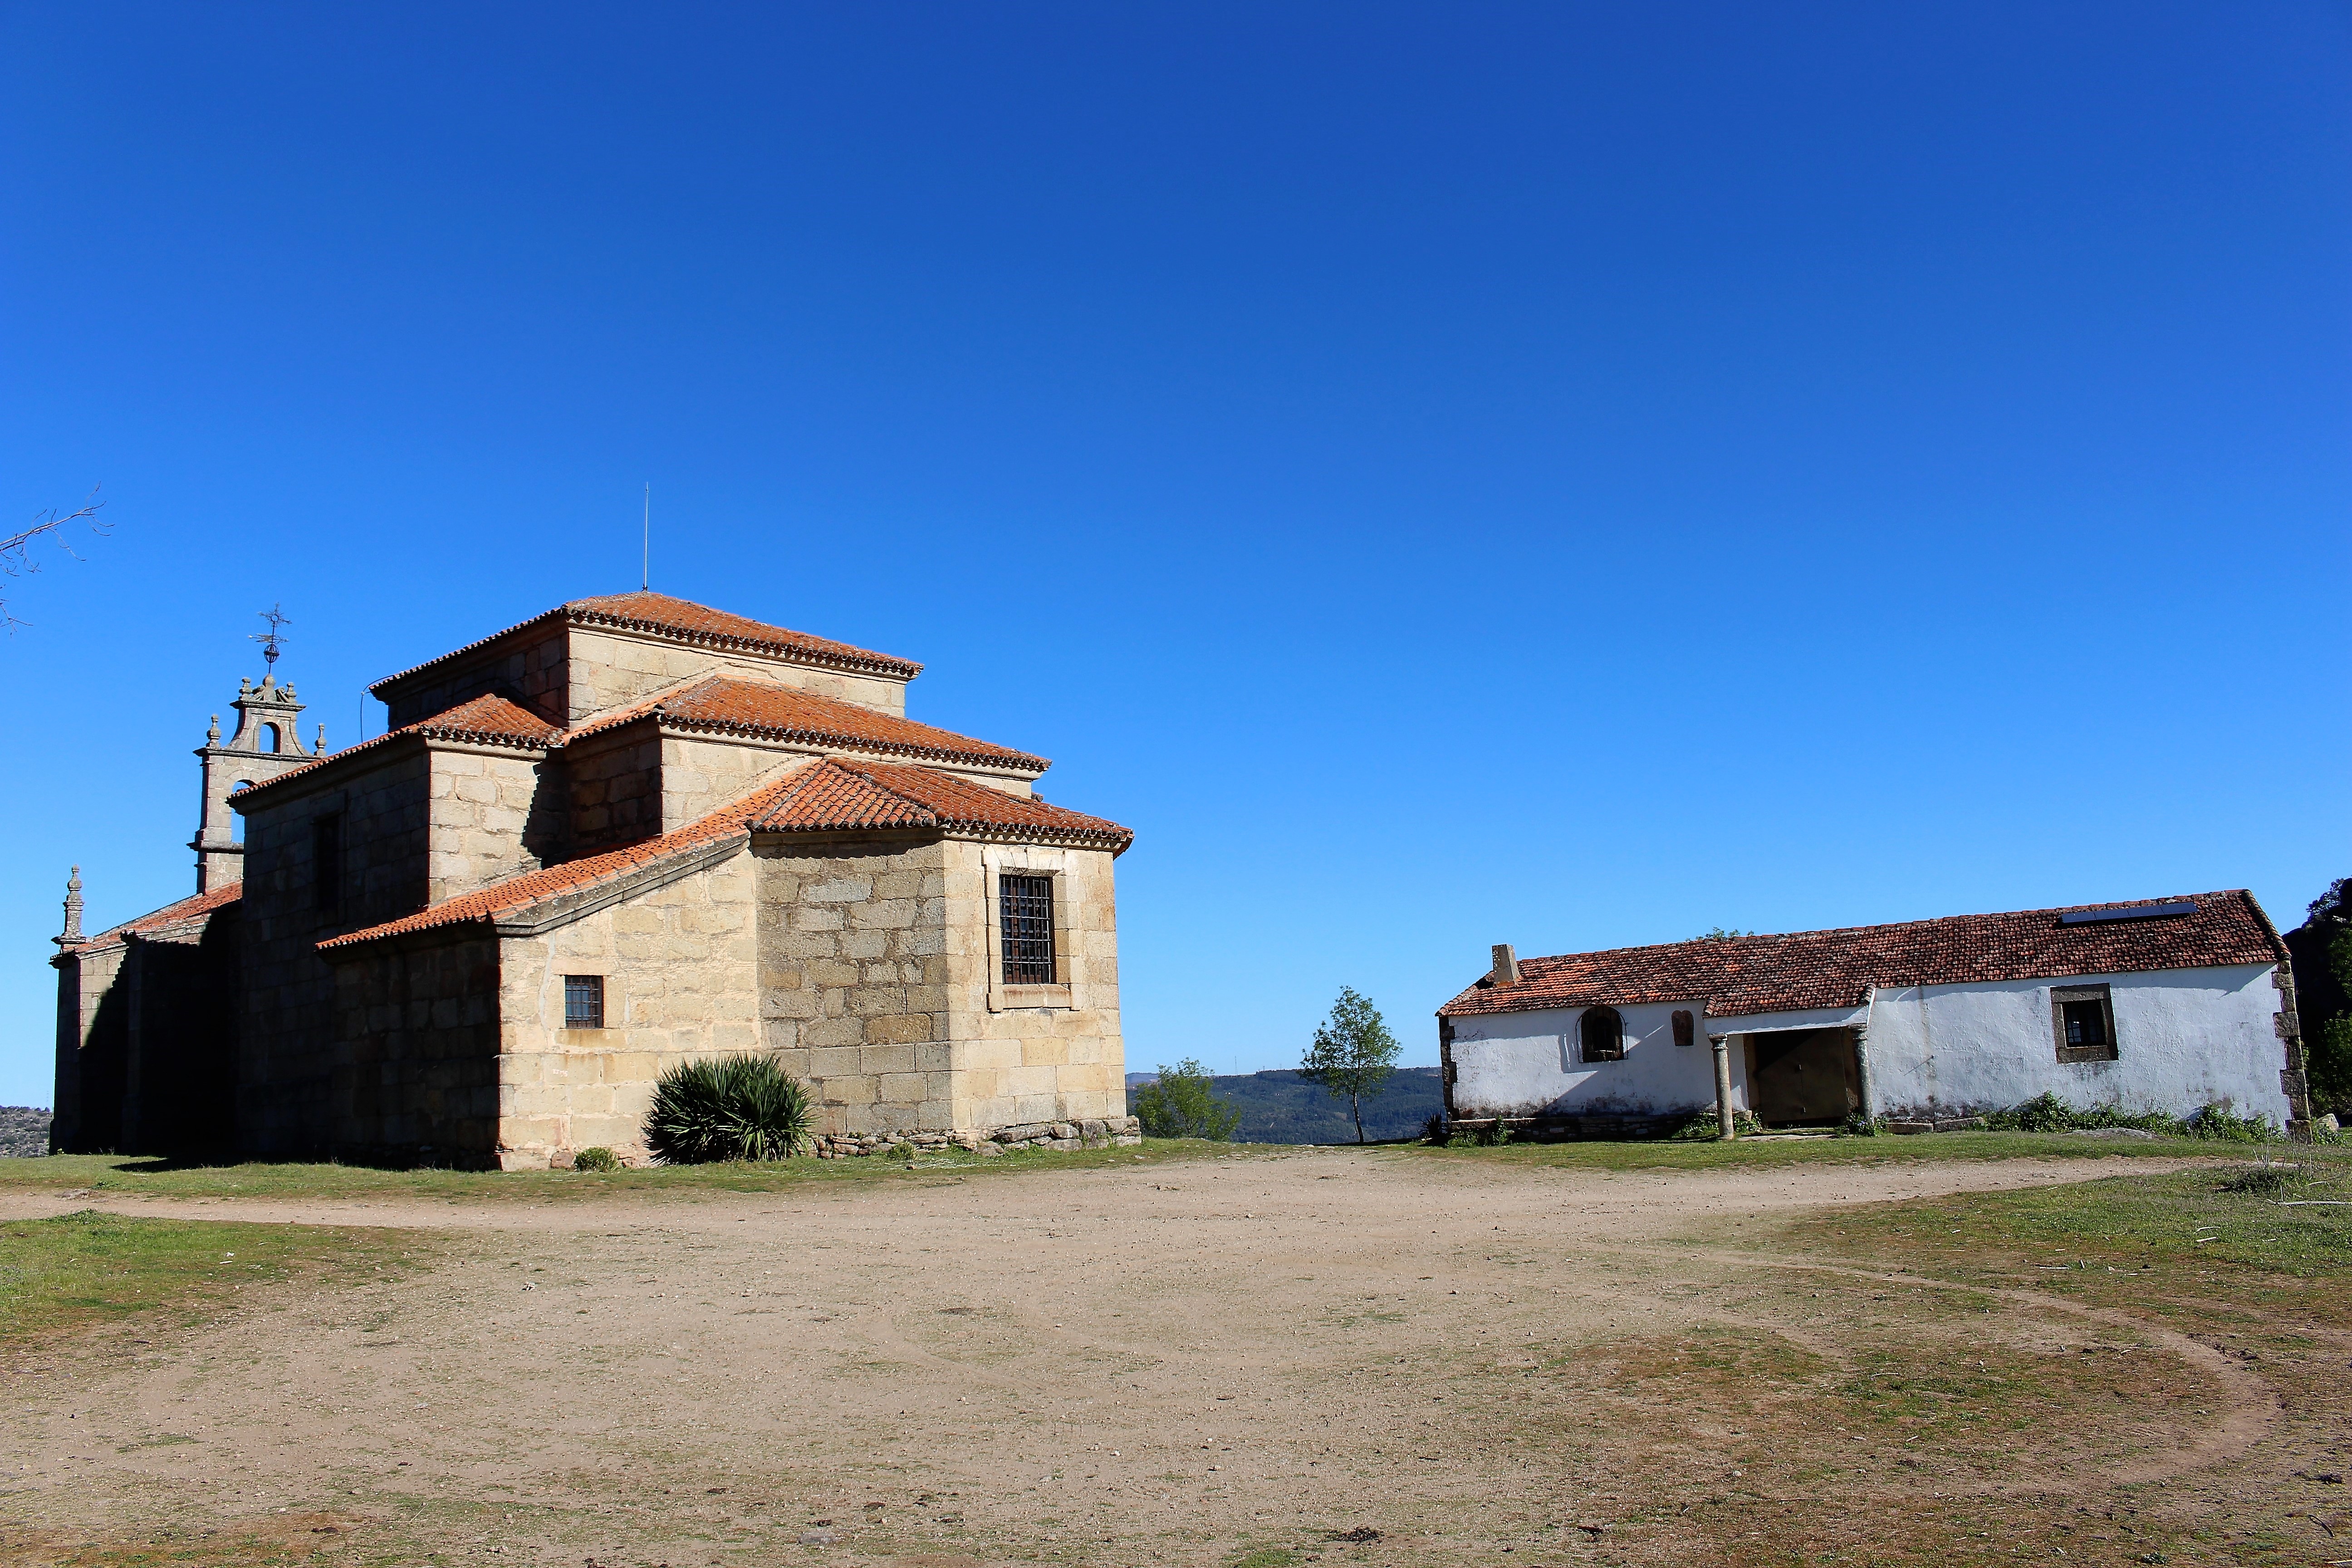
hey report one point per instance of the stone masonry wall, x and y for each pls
(681, 975)
(529, 670)
(414, 1067)
(92, 1041)
(853, 971)
(493, 814)
(609, 668)
(614, 785)
(286, 1025)
(700, 776)
(1061, 1062)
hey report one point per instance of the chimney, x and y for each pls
(1506, 965)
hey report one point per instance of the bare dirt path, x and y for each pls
(1177, 1363)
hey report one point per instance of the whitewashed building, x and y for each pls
(2169, 1006)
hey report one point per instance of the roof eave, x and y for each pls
(1011, 761)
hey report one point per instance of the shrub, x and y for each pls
(596, 1159)
(1433, 1130)
(1706, 1127)
(2266, 1180)
(2046, 1112)
(728, 1108)
(2221, 1123)
(1181, 1105)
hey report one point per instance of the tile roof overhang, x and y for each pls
(484, 721)
(170, 918)
(841, 797)
(683, 621)
(711, 705)
(727, 705)
(1745, 975)
(825, 795)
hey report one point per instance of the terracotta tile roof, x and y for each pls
(686, 621)
(186, 909)
(1743, 975)
(723, 704)
(484, 905)
(835, 795)
(485, 720)
(826, 795)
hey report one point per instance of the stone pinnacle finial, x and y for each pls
(72, 933)
(212, 735)
(320, 746)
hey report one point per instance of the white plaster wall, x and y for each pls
(1527, 1064)
(2184, 1038)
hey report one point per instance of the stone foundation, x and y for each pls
(1101, 1133)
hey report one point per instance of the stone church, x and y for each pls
(623, 833)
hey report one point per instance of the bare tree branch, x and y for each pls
(16, 559)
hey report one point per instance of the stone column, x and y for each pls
(1862, 1068)
(1722, 1044)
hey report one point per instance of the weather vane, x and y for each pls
(273, 640)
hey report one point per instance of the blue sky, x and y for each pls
(1442, 474)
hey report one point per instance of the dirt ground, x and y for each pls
(1235, 1360)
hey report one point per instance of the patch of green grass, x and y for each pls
(1266, 1557)
(113, 1174)
(1663, 1154)
(2118, 1223)
(82, 1269)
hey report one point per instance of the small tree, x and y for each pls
(16, 559)
(1181, 1105)
(2322, 947)
(1353, 1054)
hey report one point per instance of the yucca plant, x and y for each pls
(728, 1108)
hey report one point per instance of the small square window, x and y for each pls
(2083, 1019)
(583, 1001)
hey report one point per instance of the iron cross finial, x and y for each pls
(273, 640)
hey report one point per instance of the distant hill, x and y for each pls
(24, 1130)
(1280, 1107)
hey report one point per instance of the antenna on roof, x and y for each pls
(273, 640)
(645, 573)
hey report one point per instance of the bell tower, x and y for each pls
(264, 744)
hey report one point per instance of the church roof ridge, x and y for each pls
(824, 794)
(684, 621)
(489, 720)
(1799, 971)
(185, 908)
(727, 704)
(839, 795)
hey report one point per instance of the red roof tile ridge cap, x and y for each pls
(809, 645)
(178, 908)
(1750, 938)
(476, 645)
(483, 905)
(578, 610)
(423, 729)
(636, 708)
(986, 751)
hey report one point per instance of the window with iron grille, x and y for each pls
(1025, 920)
(583, 1001)
(2083, 1018)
